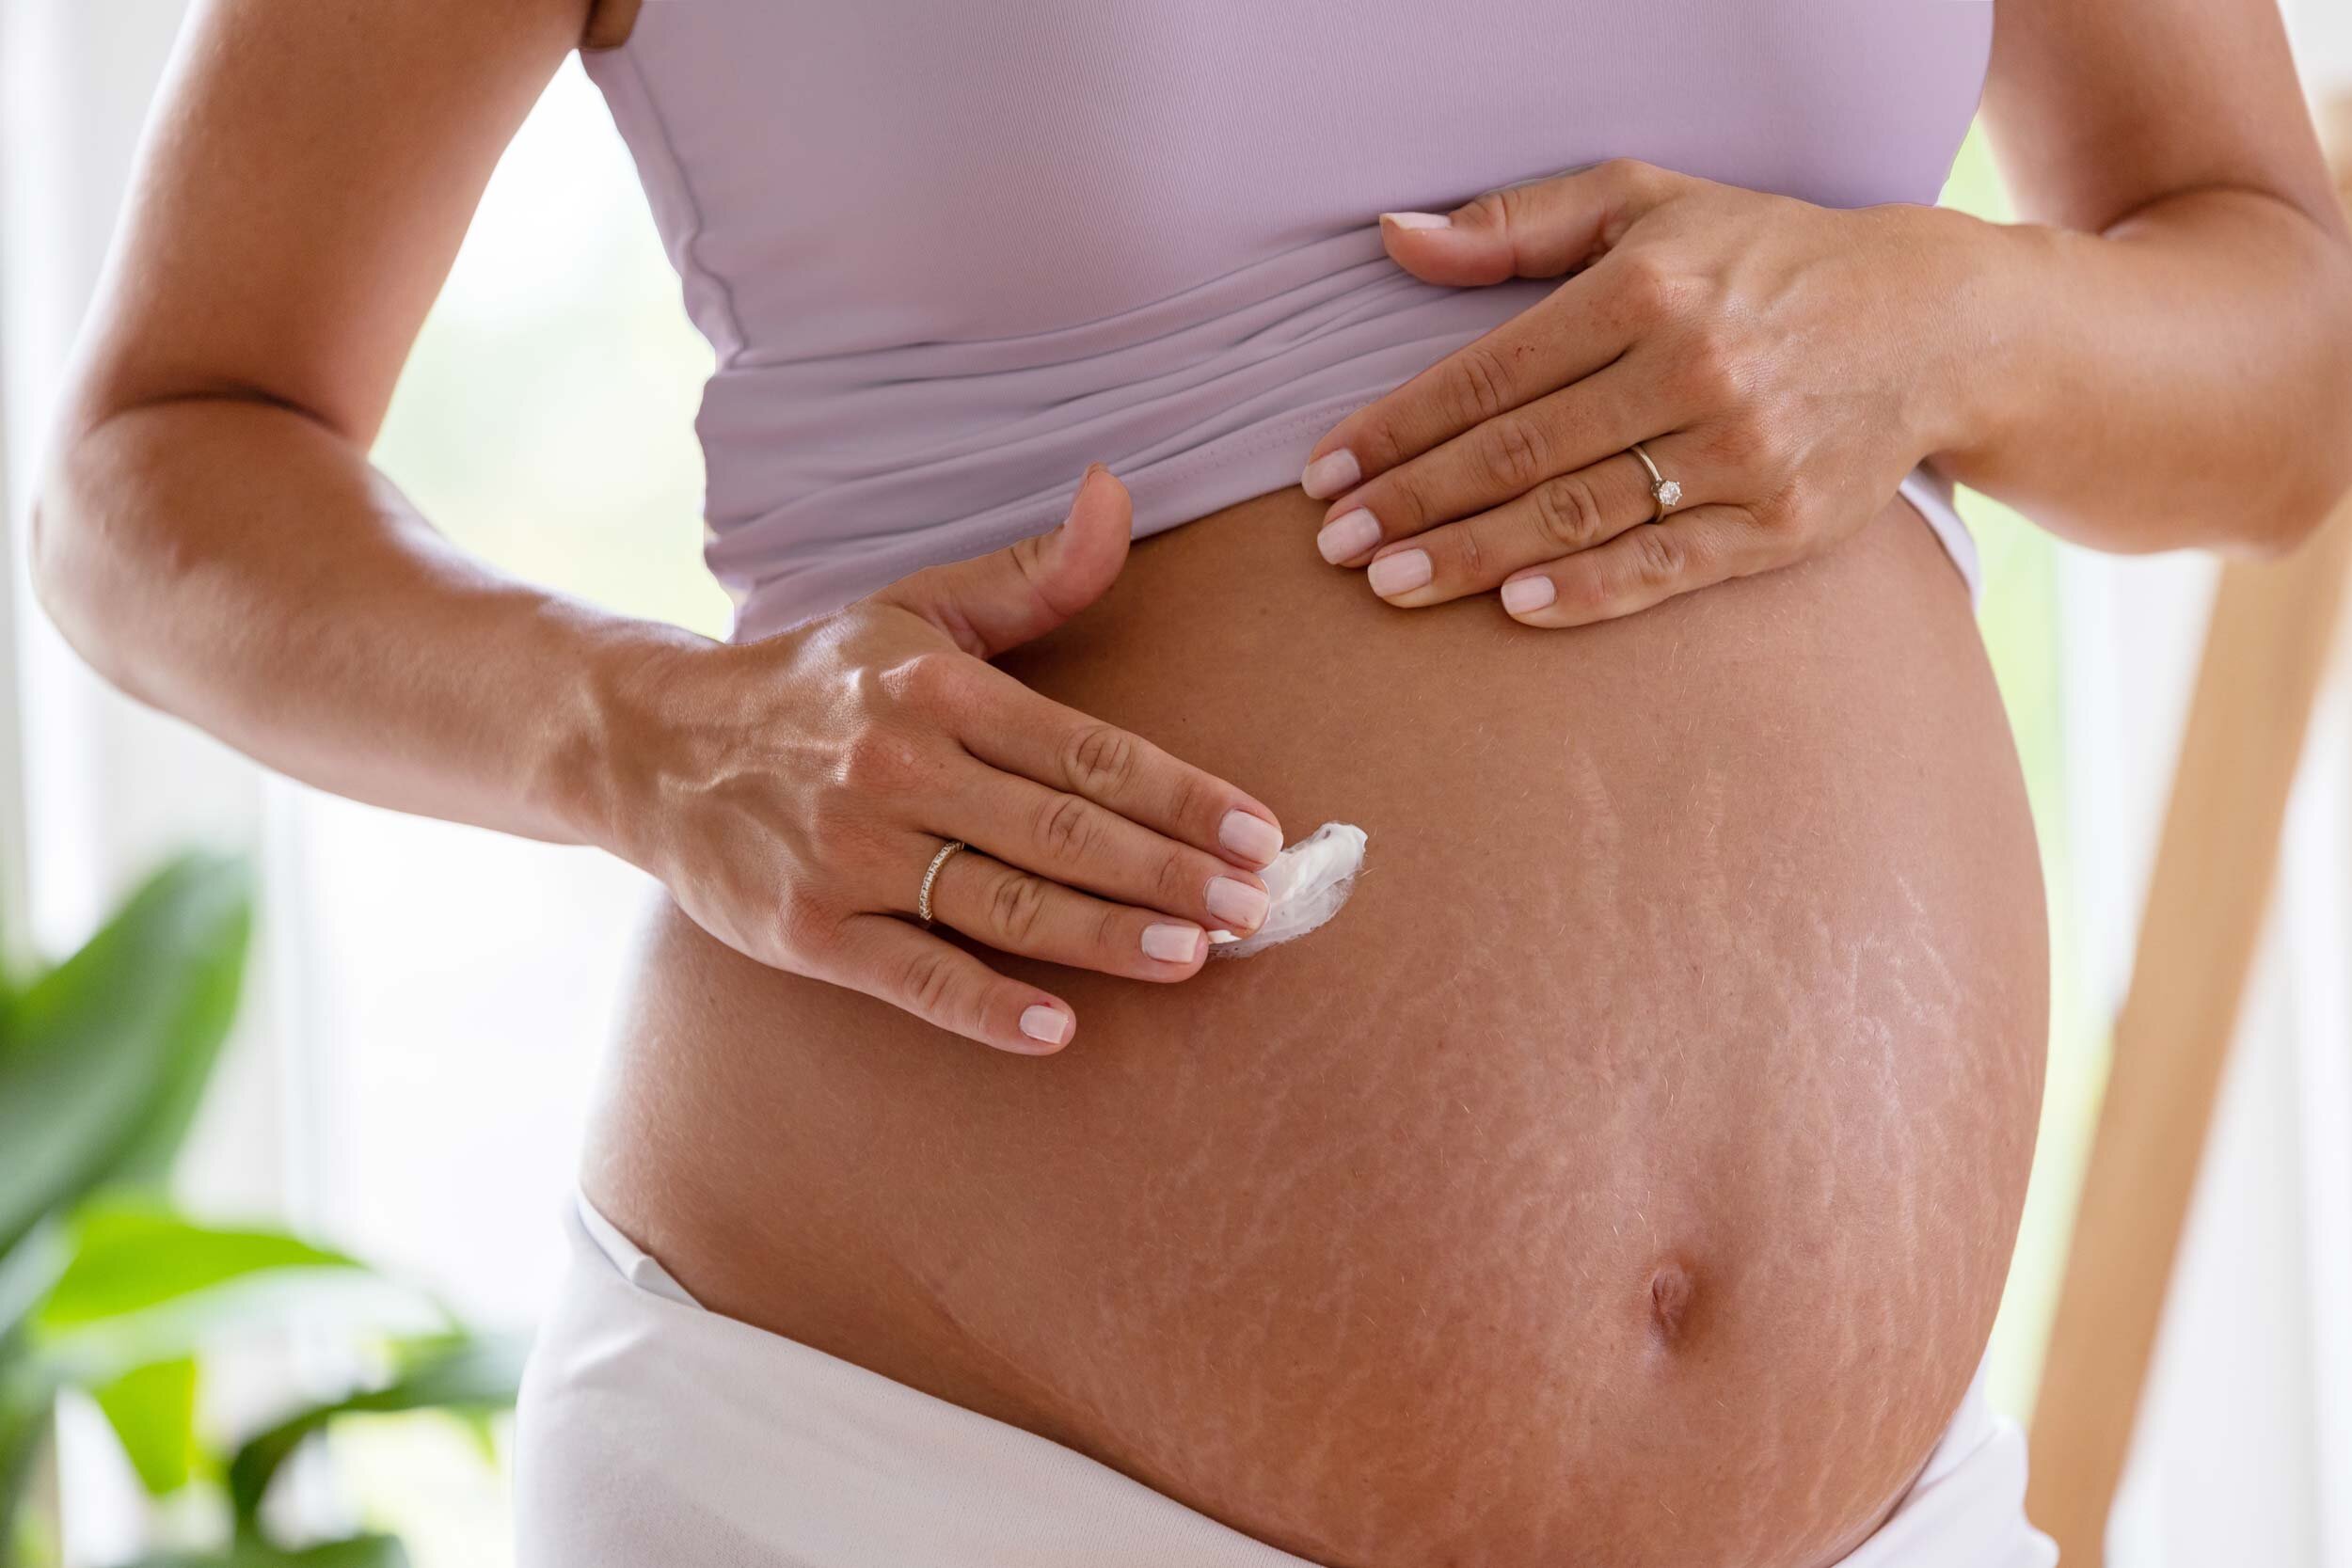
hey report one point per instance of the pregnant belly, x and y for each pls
(1626, 1175)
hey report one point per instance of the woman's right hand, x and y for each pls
(791, 792)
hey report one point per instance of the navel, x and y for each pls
(1670, 1292)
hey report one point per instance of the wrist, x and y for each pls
(606, 773)
(1958, 325)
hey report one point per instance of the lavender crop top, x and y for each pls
(949, 253)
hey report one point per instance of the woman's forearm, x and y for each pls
(239, 564)
(2183, 379)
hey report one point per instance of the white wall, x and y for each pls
(2321, 31)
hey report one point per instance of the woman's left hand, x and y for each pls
(1767, 355)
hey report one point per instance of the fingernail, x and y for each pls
(1399, 573)
(1253, 838)
(1240, 907)
(1418, 220)
(1329, 474)
(1521, 594)
(1174, 945)
(1044, 1024)
(1349, 534)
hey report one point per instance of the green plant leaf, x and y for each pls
(481, 1430)
(465, 1374)
(362, 1551)
(130, 1255)
(152, 1410)
(24, 1427)
(110, 1051)
(27, 1270)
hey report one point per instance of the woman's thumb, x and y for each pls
(1536, 229)
(1010, 596)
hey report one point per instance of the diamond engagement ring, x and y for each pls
(1664, 492)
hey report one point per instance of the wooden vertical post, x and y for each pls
(2267, 649)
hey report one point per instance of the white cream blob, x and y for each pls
(1304, 886)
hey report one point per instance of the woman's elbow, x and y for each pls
(59, 558)
(2316, 473)
(77, 563)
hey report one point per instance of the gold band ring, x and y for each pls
(931, 874)
(1664, 493)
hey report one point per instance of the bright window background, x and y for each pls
(462, 984)
(466, 979)
(433, 1000)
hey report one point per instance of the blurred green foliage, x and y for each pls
(105, 1288)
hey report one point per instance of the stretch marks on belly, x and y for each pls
(1305, 887)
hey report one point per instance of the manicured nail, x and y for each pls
(1044, 1024)
(1399, 573)
(1418, 220)
(1174, 945)
(1240, 907)
(1349, 534)
(1521, 594)
(1329, 474)
(1253, 838)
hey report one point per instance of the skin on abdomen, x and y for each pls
(1627, 1174)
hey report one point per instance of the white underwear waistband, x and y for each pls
(653, 1431)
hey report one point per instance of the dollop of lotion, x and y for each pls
(1304, 886)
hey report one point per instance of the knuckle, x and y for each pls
(1698, 551)
(1029, 558)
(927, 978)
(1066, 828)
(1375, 444)
(1016, 908)
(1470, 555)
(1180, 883)
(1641, 287)
(1650, 288)
(1401, 503)
(1709, 365)
(1794, 499)
(1192, 799)
(1636, 178)
(1111, 938)
(1659, 555)
(880, 761)
(804, 927)
(1481, 385)
(837, 810)
(1516, 455)
(1101, 759)
(1568, 511)
(1741, 445)
(922, 679)
(1587, 595)
(1779, 452)
(1495, 208)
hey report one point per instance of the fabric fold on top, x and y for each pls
(948, 255)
